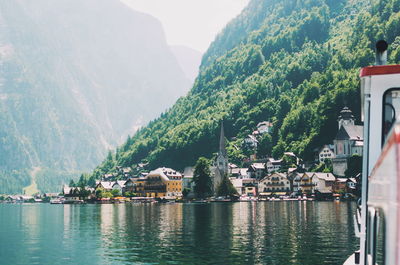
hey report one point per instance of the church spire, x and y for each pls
(222, 144)
(222, 158)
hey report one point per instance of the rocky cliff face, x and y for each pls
(76, 77)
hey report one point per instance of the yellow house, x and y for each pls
(306, 183)
(163, 183)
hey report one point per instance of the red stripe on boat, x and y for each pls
(380, 70)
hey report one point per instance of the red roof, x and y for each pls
(380, 70)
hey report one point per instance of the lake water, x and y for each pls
(217, 233)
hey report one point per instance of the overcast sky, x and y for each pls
(192, 23)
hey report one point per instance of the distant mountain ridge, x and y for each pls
(76, 77)
(292, 63)
(189, 60)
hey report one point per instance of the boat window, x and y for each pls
(391, 109)
(370, 236)
(380, 238)
(376, 237)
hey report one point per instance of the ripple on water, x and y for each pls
(220, 233)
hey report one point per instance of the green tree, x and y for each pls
(82, 181)
(226, 188)
(72, 183)
(115, 193)
(288, 162)
(265, 145)
(99, 192)
(354, 166)
(202, 178)
(91, 181)
(185, 192)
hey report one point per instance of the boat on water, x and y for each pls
(56, 201)
(377, 220)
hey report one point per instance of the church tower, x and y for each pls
(346, 117)
(222, 158)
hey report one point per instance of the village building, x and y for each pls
(326, 152)
(306, 184)
(237, 184)
(245, 186)
(323, 182)
(340, 185)
(163, 183)
(51, 194)
(130, 185)
(274, 184)
(120, 186)
(220, 169)
(106, 185)
(264, 127)
(139, 186)
(256, 170)
(250, 187)
(295, 180)
(348, 141)
(108, 177)
(238, 173)
(351, 185)
(273, 165)
(250, 142)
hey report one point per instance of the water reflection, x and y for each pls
(219, 233)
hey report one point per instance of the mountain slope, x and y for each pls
(189, 60)
(294, 63)
(76, 77)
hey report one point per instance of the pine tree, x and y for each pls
(226, 188)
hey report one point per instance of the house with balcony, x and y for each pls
(274, 184)
(306, 184)
(163, 183)
(295, 179)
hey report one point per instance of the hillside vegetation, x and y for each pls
(294, 63)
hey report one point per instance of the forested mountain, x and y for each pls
(76, 77)
(295, 63)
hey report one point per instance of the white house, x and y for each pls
(273, 165)
(274, 183)
(250, 141)
(239, 172)
(326, 152)
(323, 182)
(264, 127)
(106, 185)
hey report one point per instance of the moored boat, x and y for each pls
(56, 201)
(377, 220)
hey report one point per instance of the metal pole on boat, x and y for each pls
(365, 173)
